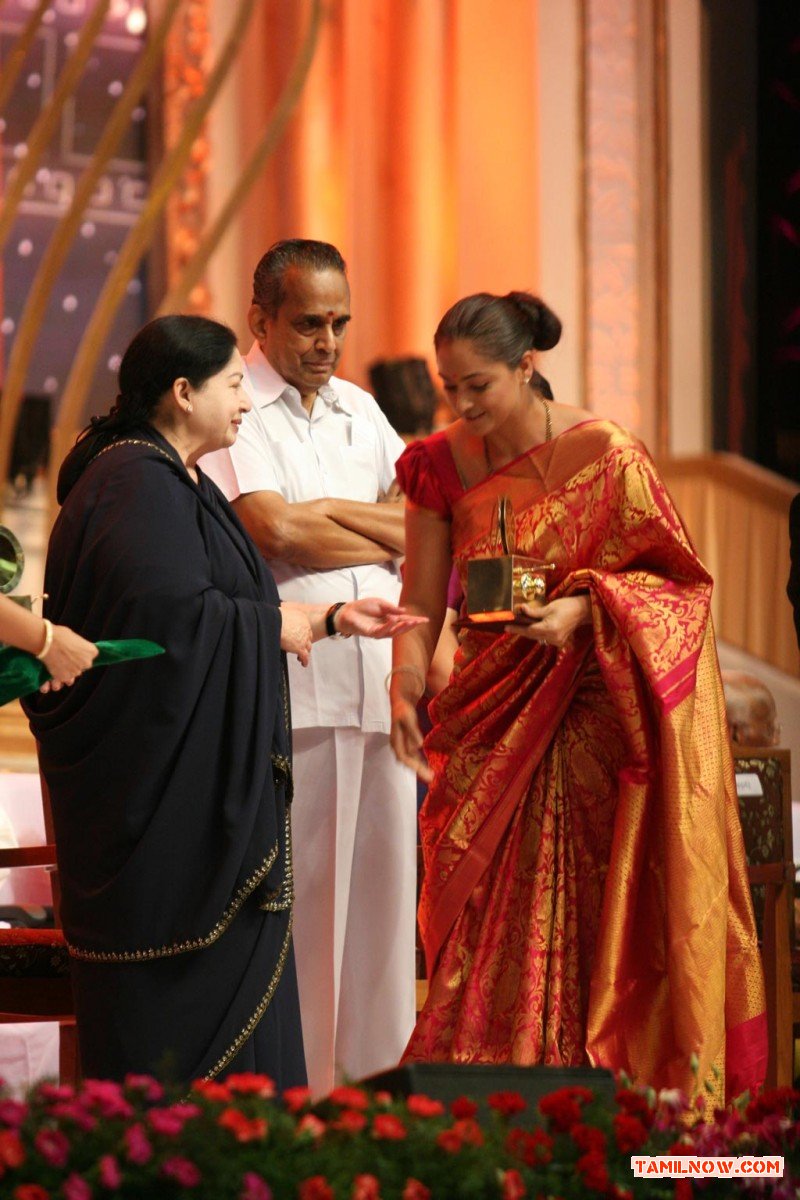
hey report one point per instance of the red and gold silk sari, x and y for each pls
(585, 895)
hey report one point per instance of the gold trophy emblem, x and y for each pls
(497, 585)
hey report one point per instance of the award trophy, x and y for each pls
(496, 586)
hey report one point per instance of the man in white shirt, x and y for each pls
(311, 475)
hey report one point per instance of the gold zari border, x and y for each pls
(199, 943)
(247, 1032)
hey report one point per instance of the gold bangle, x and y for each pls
(405, 667)
(48, 639)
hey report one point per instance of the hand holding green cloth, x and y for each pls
(22, 673)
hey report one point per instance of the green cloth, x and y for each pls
(22, 673)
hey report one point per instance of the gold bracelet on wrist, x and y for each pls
(406, 667)
(48, 639)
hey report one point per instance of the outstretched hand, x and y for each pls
(375, 618)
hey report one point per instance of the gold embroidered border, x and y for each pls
(200, 943)
(247, 1032)
(283, 897)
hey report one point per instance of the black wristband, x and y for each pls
(330, 618)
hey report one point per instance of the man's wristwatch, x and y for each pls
(330, 620)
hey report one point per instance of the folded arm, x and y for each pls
(308, 533)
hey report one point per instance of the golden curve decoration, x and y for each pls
(17, 56)
(33, 313)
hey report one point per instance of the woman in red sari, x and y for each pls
(585, 896)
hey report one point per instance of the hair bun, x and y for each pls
(544, 324)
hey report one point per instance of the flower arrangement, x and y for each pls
(234, 1140)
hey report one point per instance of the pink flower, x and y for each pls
(170, 1121)
(51, 1093)
(254, 1187)
(137, 1145)
(106, 1096)
(147, 1085)
(73, 1110)
(110, 1173)
(184, 1173)
(53, 1146)
(366, 1187)
(12, 1113)
(76, 1188)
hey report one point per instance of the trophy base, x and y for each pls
(492, 623)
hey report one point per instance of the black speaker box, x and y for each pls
(447, 1081)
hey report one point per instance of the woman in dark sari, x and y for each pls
(170, 780)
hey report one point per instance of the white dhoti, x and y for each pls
(354, 849)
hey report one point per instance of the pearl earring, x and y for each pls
(188, 408)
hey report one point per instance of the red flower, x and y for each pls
(683, 1190)
(773, 1100)
(110, 1174)
(30, 1191)
(212, 1089)
(629, 1132)
(349, 1097)
(513, 1185)
(449, 1140)
(350, 1120)
(534, 1148)
(185, 1173)
(388, 1128)
(635, 1105)
(12, 1152)
(53, 1146)
(311, 1125)
(563, 1108)
(593, 1171)
(424, 1106)
(469, 1131)
(366, 1187)
(463, 1107)
(248, 1084)
(414, 1190)
(73, 1110)
(254, 1187)
(296, 1098)
(12, 1113)
(507, 1103)
(243, 1128)
(588, 1139)
(76, 1188)
(383, 1099)
(315, 1188)
(137, 1145)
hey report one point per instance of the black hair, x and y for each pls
(268, 279)
(166, 349)
(503, 328)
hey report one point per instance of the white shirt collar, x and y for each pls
(270, 386)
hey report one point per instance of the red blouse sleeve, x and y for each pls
(426, 473)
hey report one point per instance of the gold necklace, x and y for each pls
(548, 435)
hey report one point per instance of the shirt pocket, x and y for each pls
(359, 472)
(297, 470)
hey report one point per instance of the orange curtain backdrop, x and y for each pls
(414, 149)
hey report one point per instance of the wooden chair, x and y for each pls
(34, 963)
(763, 777)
